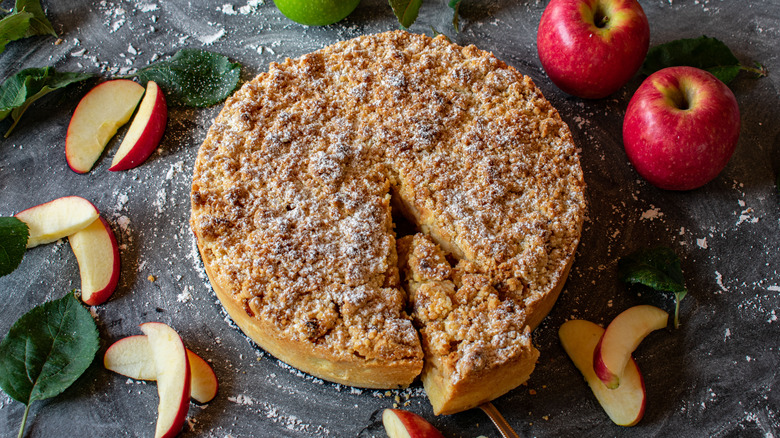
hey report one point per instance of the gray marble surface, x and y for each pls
(715, 376)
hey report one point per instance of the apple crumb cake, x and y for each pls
(292, 199)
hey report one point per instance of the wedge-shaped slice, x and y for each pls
(173, 377)
(624, 405)
(96, 119)
(97, 252)
(57, 219)
(404, 424)
(621, 338)
(145, 132)
(132, 357)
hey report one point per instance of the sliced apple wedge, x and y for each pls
(621, 338)
(145, 132)
(97, 252)
(56, 219)
(96, 119)
(132, 357)
(404, 424)
(624, 405)
(173, 377)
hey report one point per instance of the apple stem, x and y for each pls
(676, 311)
(759, 70)
(24, 420)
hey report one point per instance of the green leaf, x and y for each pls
(406, 11)
(657, 268)
(13, 243)
(14, 27)
(39, 24)
(21, 90)
(455, 5)
(193, 77)
(46, 350)
(705, 53)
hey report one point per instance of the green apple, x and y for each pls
(316, 12)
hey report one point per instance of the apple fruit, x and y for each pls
(96, 119)
(625, 405)
(316, 12)
(98, 256)
(145, 132)
(132, 357)
(404, 424)
(591, 48)
(681, 128)
(621, 338)
(173, 377)
(56, 219)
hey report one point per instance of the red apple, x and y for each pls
(96, 119)
(145, 130)
(98, 256)
(621, 338)
(132, 357)
(624, 405)
(173, 378)
(404, 424)
(56, 219)
(681, 128)
(591, 48)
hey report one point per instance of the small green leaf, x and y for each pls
(14, 27)
(13, 243)
(21, 90)
(455, 5)
(39, 24)
(46, 350)
(658, 268)
(705, 53)
(406, 11)
(193, 77)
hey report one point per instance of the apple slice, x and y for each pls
(97, 117)
(404, 424)
(621, 338)
(132, 357)
(624, 405)
(98, 256)
(57, 219)
(173, 377)
(145, 130)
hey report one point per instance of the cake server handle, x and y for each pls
(497, 419)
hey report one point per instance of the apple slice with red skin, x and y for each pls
(404, 424)
(681, 128)
(621, 338)
(97, 252)
(624, 405)
(96, 119)
(591, 48)
(173, 377)
(145, 132)
(56, 219)
(132, 357)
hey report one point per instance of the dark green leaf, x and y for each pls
(705, 53)
(13, 243)
(406, 11)
(47, 349)
(39, 24)
(657, 268)
(193, 77)
(14, 27)
(455, 5)
(19, 91)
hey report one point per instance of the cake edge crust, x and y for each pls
(315, 361)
